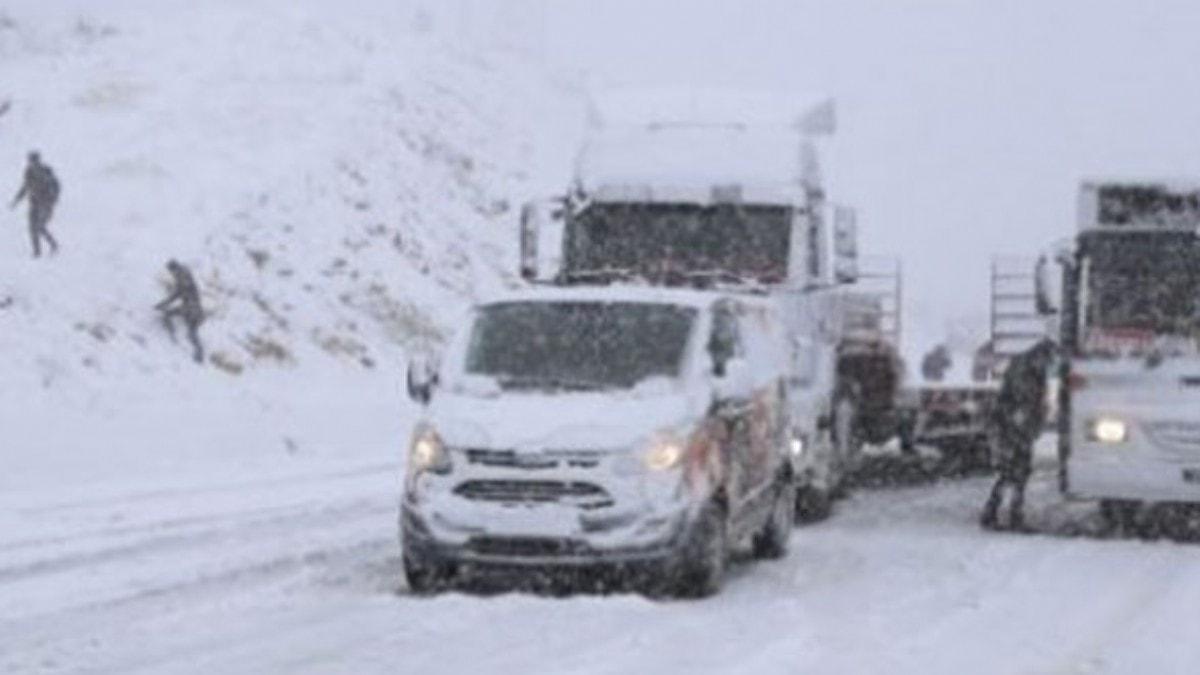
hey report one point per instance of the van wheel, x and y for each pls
(424, 576)
(772, 541)
(700, 569)
(812, 504)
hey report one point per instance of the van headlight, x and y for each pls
(796, 446)
(664, 453)
(1110, 430)
(427, 453)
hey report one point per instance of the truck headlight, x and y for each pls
(427, 453)
(664, 453)
(1108, 430)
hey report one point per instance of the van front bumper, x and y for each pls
(545, 540)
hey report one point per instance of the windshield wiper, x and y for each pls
(602, 274)
(551, 383)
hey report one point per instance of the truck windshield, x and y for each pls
(1143, 284)
(749, 242)
(578, 345)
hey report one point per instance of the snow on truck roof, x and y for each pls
(804, 114)
(671, 145)
(696, 164)
(1146, 205)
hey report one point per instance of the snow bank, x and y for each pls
(339, 182)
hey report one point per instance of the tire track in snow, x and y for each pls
(208, 490)
(289, 519)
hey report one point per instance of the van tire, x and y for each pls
(700, 568)
(423, 576)
(813, 504)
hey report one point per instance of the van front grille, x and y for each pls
(583, 494)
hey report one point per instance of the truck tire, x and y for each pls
(772, 541)
(700, 568)
(906, 432)
(846, 439)
(1119, 515)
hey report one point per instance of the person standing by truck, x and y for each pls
(1020, 416)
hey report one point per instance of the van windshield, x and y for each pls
(578, 345)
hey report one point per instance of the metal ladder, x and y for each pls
(879, 288)
(1015, 324)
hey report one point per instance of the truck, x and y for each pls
(723, 192)
(868, 355)
(955, 417)
(1126, 307)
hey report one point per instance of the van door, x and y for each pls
(728, 354)
(767, 356)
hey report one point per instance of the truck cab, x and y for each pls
(1129, 319)
(679, 192)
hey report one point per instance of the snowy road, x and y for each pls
(299, 573)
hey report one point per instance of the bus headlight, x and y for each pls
(1108, 430)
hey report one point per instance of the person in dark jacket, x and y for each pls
(183, 302)
(936, 363)
(1019, 418)
(41, 188)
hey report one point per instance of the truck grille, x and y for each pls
(1175, 435)
(583, 494)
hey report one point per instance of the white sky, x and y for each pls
(965, 125)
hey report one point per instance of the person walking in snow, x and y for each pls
(1019, 418)
(183, 302)
(41, 188)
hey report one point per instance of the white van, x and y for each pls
(637, 430)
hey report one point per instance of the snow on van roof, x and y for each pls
(699, 299)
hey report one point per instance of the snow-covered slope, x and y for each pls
(339, 181)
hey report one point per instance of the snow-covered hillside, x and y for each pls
(340, 184)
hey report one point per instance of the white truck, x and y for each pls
(718, 191)
(1129, 320)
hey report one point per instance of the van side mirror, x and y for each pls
(542, 224)
(735, 383)
(422, 379)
